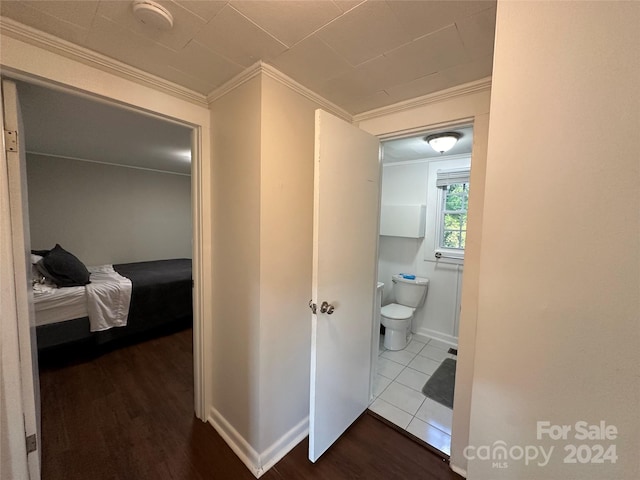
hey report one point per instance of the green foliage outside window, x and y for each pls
(454, 218)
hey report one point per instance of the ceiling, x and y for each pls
(360, 55)
(71, 126)
(415, 148)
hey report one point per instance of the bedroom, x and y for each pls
(110, 186)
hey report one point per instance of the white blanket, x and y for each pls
(108, 298)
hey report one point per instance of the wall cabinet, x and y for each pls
(403, 220)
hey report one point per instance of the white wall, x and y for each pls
(402, 184)
(558, 305)
(465, 104)
(107, 214)
(413, 183)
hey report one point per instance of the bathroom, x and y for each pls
(422, 234)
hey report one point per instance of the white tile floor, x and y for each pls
(398, 391)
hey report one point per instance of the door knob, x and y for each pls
(313, 307)
(326, 308)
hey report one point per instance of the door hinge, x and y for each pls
(11, 140)
(32, 443)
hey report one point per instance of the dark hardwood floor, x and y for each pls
(128, 414)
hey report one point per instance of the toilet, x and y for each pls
(410, 292)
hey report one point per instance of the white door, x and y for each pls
(20, 388)
(345, 256)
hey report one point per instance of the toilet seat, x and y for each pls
(397, 312)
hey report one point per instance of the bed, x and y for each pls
(160, 295)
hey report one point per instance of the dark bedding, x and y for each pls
(161, 294)
(161, 290)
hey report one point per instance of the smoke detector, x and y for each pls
(153, 14)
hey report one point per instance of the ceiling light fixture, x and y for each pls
(152, 14)
(443, 142)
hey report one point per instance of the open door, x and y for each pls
(19, 387)
(345, 244)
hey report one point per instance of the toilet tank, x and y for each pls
(409, 291)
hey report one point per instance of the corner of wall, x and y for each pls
(274, 453)
(236, 442)
(257, 463)
(260, 176)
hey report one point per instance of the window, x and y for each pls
(453, 188)
(454, 215)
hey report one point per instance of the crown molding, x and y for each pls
(51, 43)
(450, 93)
(110, 164)
(457, 156)
(271, 72)
(234, 83)
(305, 92)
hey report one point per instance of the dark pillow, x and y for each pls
(63, 268)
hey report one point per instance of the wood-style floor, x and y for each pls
(128, 414)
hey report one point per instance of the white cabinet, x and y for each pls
(403, 220)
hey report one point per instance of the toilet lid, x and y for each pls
(397, 312)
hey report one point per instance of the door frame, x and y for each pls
(16, 461)
(200, 208)
(468, 103)
(425, 130)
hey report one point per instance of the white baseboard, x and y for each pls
(460, 471)
(284, 445)
(238, 444)
(258, 463)
(428, 334)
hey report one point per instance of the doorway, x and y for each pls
(423, 234)
(197, 124)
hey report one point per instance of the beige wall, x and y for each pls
(107, 214)
(288, 132)
(558, 305)
(445, 109)
(263, 212)
(235, 128)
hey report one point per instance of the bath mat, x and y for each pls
(440, 385)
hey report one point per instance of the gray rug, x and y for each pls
(440, 385)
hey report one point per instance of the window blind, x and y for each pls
(447, 177)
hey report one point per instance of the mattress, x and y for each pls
(161, 295)
(54, 304)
